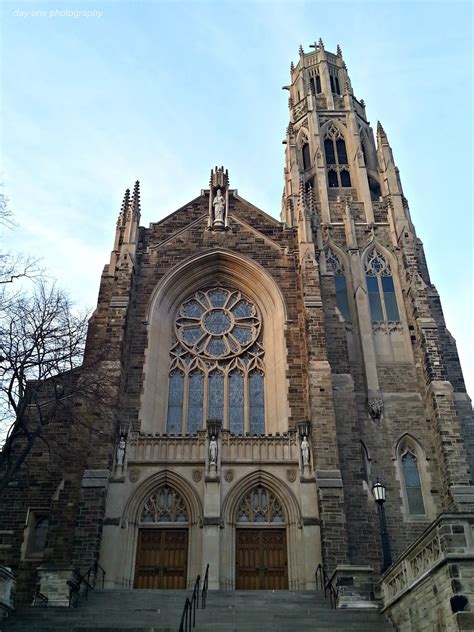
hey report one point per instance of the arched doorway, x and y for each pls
(162, 546)
(261, 553)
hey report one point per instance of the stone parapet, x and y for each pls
(7, 587)
(355, 587)
(144, 448)
(55, 583)
(434, 578)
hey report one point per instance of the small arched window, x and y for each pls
(312, 87)
(333, 263)
(38, 536)
(380, 287)
(336, 159)
(335, 88)
(411, 479)
(318, 84)
(260, 505)
(306, 156)
(374, 187)
(164, 505)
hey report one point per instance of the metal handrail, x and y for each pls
(188, 617)
(89, 580)
(324, 583)
(205, 586)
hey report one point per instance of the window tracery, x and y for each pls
(260, 505)
(217, 364)
(380, 287)
(164, 505)
(336, 158)
(412, 482)
(333, 263)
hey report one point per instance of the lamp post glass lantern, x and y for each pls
(379, 491)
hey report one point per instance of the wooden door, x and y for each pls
(161, 558)
(261, 559)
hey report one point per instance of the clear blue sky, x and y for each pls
(163, 91)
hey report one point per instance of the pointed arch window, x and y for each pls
(335, 87)
(217, 368)
(315, 85)
(333, 263)
(164, 505)
(336, 158)
(380, 287)
(260, 505)
(306, 156)
(411, 477)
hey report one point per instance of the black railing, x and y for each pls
(84, 583)
(205, 588)
(324, 583)
(188, 618)
(40, 600)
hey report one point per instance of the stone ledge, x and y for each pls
(329, 482)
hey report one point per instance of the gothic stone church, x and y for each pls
(268, 372)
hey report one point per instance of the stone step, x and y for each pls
(227, 611)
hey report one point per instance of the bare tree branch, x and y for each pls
(42, 381)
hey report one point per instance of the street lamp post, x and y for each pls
(379, 490)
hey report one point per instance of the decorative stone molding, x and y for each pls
(229, 476)
(291, 476)
(375, 406)
(134, 475)
(197, 475)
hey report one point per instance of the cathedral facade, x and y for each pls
(268, 373)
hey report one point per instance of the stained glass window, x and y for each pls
(195, 401)
(260, 505)
(218, 351)
(380, 287)
(216, 396)
(175, 402)
(236, 402)
(412, 484)
(164, 505)
(257, 405)
(333, 262)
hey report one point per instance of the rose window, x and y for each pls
(217, 323)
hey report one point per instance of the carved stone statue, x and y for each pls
(219, 209)
(305, 451)
(120, 455)
(213, 451)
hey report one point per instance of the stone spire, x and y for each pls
(136, 210)
(381, 135)
(124, 209)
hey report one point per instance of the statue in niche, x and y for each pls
(120, 454)
(305, 451)
(219, 209)
(213, 451)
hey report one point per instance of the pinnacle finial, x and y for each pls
(381, 133)
(301, 51)
(292, 66)
(321, 43)
(339, 51)
(136, 198)
(124, 209)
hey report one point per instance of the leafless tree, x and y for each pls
(13, 266)
(43, 382)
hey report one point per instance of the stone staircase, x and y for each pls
(227, 611)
